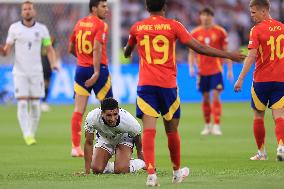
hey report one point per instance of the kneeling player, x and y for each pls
(116, 133)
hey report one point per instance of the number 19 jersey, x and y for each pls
(86, 31)
(156, 40)
(268, 38)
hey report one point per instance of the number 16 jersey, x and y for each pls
(268, 38)
(156, 40)
(86, 31)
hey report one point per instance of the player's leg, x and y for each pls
(46, 75)
(103, 88)
(81, 99)
(259, 100)
(203, 87)
(123, 155)
(36, 92)
(147, 110)
(277, 104)
(100, 160)
(216, 85)
(21, 92)
(170, 109)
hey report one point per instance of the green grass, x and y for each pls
(215, 162)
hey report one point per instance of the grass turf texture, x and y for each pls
(215, 162)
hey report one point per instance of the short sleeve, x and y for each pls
(182, 34)
(89, 123)
(11, 35)
(132, 39)
(253, 39)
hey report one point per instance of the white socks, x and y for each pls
(23, 117)
(28, 120)
(134, 165)
(34, 115)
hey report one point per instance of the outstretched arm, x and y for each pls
(246, 67)
(209, 51)
(88, 151)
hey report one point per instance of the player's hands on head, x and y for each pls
(238, 85)
(91, 81)
(237, 56)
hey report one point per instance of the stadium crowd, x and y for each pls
(233, 15)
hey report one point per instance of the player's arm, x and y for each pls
(88, 151)
(51, 55)
(249, 61)
(210, 51)
(128, 50)
(71, 49)
(97, 54)
(191, 62)
(138, 144)
(229, 62)
(4, 51)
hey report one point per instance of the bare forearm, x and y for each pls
(246, 67)
(127, 51)
(51, 56)
(88, 151)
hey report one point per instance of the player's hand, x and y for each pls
(55, 67)
(81, 173)
(90, 82)
(237, 56)
(230, 76)
(238, 85)
(140, 155)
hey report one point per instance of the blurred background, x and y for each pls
(61, 16)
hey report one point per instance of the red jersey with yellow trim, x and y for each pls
(85, 32)
(216, 37)
(268, 38)
(156, 40)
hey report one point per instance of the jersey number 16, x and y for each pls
(84, 46)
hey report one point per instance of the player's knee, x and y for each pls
(121, 168)
(97, 169)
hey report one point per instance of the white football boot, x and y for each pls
(180, 175)
(216, 130)
(280, 153)
(260, 155)
(152, 180)
(206, 130)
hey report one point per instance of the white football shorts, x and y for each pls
(111, 146)
(28, 86)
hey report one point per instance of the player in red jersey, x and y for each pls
(266, 46)
(155, 38)
(88, 44)
(210, 69)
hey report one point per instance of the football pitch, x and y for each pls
(215, 162)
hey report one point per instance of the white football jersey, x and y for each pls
(127, 124)
(28, 43)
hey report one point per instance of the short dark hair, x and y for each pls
(109, 104)
(207, 10)
(260, 3)
(155, 5)
(94, 3)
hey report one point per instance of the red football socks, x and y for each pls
(76, 128)
(174, 148)
(148, 145)
(279, 130)
(216, 110)
(206, 112)
(259, 133)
